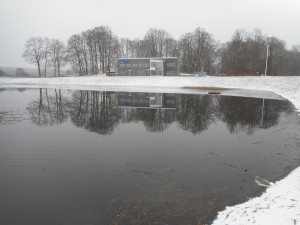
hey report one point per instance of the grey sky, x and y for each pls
(21, 19)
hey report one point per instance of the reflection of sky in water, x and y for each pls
(10, 99)
(87, 160)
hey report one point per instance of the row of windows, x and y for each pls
(134, 65)
(134, 100)
(142, 65)
(172, 65)
(171, 73)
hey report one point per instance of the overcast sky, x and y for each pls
(22, 19)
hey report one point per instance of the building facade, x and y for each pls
(166, 66)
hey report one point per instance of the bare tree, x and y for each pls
(236, 53)
(186, 50)
(205, 47)
(292, 61)
(34, 51)
(255, 52)
(277, 54)
(154, 40)
(58, 55)
(90, 37)
(107, 45)
(170, 48)
(198, 51)
(46, 55)
(76, 52)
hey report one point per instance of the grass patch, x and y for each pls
(206, 88)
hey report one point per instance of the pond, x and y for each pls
(75, 157)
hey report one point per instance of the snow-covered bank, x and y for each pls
(287, 87)
(280, 204)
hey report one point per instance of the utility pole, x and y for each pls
(267, 58)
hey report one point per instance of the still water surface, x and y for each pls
(88, 157)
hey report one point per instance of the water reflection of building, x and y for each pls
(146, 100)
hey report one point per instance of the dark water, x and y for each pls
(85, 158)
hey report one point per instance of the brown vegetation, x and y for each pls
(206, 88)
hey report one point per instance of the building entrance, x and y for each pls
(156, 67)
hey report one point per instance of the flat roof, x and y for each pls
(150, 58)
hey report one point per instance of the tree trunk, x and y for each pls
(39, 68)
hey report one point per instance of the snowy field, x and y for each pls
(280, 204)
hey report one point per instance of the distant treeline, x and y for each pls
(25, 72)
(96, 51)
(13, 71)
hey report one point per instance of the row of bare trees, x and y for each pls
(245, 54)
(46, 53)
(93, 51)
(96, 50)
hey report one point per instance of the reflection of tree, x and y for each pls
(79, 107)
(96, 111)
(155, 120)
(21, 89)
(272, 109)
(99, 112)
(248, 114)
(105, 114)
(48, 110)
(38, 111)
(195, 112)
(59, 107)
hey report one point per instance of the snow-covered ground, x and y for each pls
(280, 204)
(287, 87)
